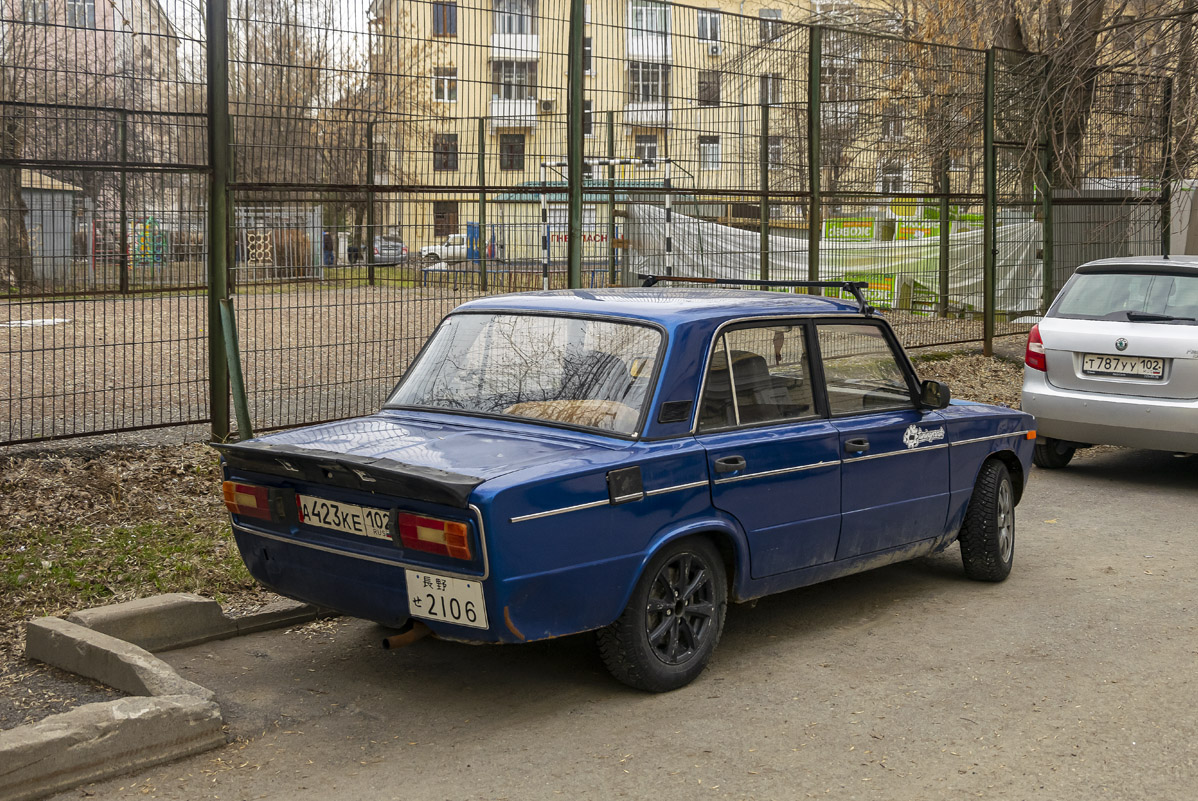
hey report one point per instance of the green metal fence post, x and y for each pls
(482, 204)
(945, 229)
(1167, 169)
(241, 401)
(815, 215)
(123, 279)
(611, 198)
(765, 191)
(990, 227)
(218, 212)
(369, 244)
(574, 120)
(1048, 279)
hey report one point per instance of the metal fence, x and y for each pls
(348, 173)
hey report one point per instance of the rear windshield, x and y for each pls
(1136, 296)
(567, 370)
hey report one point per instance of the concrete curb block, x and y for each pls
(96, 741)
(180, 619)
(112, 644)
(106, 659)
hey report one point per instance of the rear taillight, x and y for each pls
(1034, 356)
(444, 537)
(247, 500)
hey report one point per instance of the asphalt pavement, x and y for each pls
(1071, 680)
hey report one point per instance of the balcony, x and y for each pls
(513, 114)
(646, 115)
(514, 46)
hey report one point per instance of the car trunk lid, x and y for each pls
(1068, 341)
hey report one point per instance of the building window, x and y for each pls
(445, 217)
(709, 88)
(892, 125)
(587, 54)
(81, 13)
(445, 84)
(445, 18)
(588, 118)
(514, 80)
(709, 25)
(515, 16)
(1123, 155)
(511, 151)
(769, 24)
(709, 152)
(1123, 96)
(774, 152)
(35, 11)
(648, 82)
(836, 82)
(649, 16)
(646, 148)
(890, 180)
(445, 151)
(771, 89)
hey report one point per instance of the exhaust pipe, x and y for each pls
(413, 631)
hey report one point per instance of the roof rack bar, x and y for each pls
(852, 287)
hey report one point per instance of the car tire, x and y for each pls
(1051, 453)
(988, 534)
(672, 623)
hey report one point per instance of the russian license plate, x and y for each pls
(450, 600)
(1127, 366)
(364, 521)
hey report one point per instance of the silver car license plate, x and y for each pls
(1123, 366)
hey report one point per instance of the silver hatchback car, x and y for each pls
(1115, 360)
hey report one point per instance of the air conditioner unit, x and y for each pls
(714, 49)
(547, 106)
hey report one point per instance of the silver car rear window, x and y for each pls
(1098, 296)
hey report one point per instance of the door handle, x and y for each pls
(730, 464)
(858, 445)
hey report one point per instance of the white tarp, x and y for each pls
(709, 250)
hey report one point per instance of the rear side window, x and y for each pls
(1097, 296)
(759, 374)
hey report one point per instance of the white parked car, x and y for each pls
(1115, 360)
(452, 249)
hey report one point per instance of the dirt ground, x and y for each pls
(1072, 680)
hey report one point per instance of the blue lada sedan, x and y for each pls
(629, 461)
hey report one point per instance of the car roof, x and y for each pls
(665, 305)
(1146, 264)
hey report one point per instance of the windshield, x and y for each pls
(1135, 296)
(588, 373)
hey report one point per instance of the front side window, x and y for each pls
(578, 372)
(511, 151)
(1129, 296)
(445, 84)
(515, 16)
(514, 80)
(861, 370)
(445, 151)
(445, 18)
(81, 13)
(709, 152)
(758, 374)
(648, 82)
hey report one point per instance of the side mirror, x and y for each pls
(934, 395)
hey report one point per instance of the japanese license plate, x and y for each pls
(1127, 366)
(364, 521)
(451, 600)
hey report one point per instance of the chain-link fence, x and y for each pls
(383, 162)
